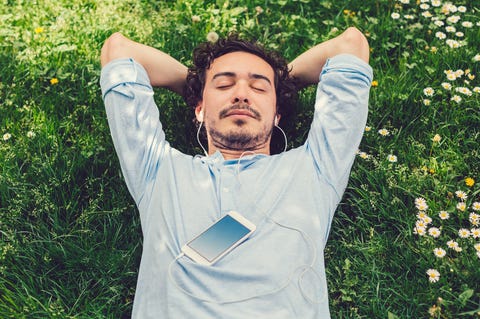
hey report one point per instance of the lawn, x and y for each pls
(405, 242)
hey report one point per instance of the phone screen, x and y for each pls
(219, 237)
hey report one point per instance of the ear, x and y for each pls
(277, 119)
(199, 112)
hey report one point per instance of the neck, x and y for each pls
(235, 154)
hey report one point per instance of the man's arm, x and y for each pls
(341, 104)
(129, 69)
(306, 68)
(162, 69)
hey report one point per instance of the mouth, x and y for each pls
(240, 111)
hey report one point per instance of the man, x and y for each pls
(291, 197)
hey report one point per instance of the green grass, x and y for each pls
(70, 238)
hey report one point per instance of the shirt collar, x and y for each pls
(217, 159)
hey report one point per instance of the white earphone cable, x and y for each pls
(198, 138)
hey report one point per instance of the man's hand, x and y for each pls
(162, 69)
(306, 68)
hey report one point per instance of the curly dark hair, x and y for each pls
(206, 53)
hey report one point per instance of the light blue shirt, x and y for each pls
(291, 197)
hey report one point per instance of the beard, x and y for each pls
(240, 140)
(238, 137)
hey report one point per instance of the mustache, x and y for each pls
(240, 106)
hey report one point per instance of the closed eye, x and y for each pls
(259, 84)
(256, 88)
(222, 87)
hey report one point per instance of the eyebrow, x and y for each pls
(250, 75)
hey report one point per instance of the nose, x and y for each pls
(238, 100)
(240, 95)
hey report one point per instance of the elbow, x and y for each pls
(112, 48)
(355, 42)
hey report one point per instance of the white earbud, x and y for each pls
(276, 120)
(200, 116)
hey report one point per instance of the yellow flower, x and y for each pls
(469, 181)
(38, 30)
(53, 81)
(374, 83)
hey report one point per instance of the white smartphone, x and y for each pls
(219, 239)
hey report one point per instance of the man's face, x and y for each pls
(239, 103)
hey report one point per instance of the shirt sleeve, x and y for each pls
(341, 109)
(134, 123)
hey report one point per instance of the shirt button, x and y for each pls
(226, 190)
